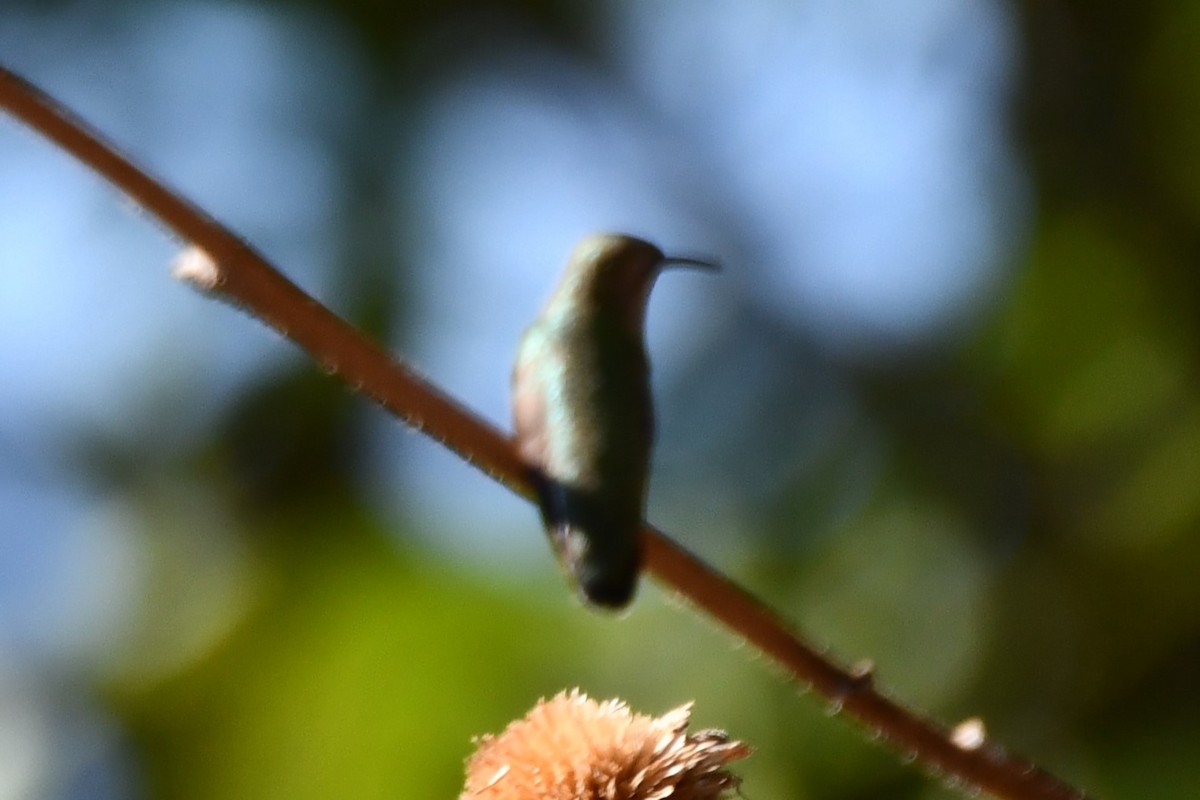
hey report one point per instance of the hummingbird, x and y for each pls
(583, 411)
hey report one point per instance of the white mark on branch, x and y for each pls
(193, 265)
(969, 734)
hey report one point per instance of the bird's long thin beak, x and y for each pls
(690, 263)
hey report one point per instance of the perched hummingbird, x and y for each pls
(583, 413)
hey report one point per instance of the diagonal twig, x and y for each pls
(223, 265)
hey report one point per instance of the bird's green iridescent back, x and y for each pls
(590, 376)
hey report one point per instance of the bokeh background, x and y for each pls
(940, 407)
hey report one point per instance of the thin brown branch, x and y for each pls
(222, 264)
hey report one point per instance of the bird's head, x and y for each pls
(615, 273)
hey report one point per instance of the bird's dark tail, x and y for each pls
(600, 552)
